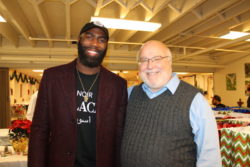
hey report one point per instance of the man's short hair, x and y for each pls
(218, 98)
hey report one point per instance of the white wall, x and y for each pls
(230, 97)
(21, 92)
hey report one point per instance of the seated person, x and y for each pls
(217, 102)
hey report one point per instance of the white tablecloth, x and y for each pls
(10, 160)
(13, 161)
(4, 137)
(230, 113)
(4, 132)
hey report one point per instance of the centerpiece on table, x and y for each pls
(18, 111)
(19, 135)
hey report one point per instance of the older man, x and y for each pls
(168, 122)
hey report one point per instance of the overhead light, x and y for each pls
(116, 72)
(181, 73)
(127, 24)
(234, 35)
(2, 19)
(37, 70)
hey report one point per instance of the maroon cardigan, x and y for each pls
(53, 131)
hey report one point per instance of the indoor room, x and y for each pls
(104, 74)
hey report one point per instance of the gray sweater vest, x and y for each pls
(158, 131)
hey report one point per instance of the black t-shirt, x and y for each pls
(86, 121)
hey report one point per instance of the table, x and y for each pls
(235, 147)
(230, 113)
(10, 160)
(4, 137)
(13, 161)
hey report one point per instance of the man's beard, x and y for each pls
(90, 61)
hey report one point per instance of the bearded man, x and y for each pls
(79, 114)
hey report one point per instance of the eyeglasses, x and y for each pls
(153, 59)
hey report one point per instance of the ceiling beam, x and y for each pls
(8, 32)
(197, 13)
(60, 52)
(37, 51)
(188, 64)
(1, 40)
(172, 21)
(57, 60)
(92, 3)
(125, 9)
(105, 3)
(156, 8)
(212, 6)
(174, 8)
(42, 21)
(139, 44)
(146, 7)
(216, 30)
(121, 3)
(98, 7)
(14, 15)
(73, 1)
(213, 48)
(214, 24)
(234, 58)
(68, 21)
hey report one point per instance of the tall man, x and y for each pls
(168, 122)
(78, 120)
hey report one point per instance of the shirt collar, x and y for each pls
(172, 85)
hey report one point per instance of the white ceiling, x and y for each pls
(39, 33)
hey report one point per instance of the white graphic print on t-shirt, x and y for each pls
(86, 109)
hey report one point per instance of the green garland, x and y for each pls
(24, 78)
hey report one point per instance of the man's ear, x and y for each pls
(76, 42)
